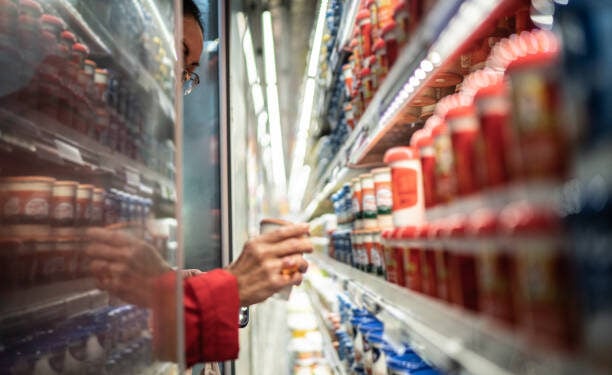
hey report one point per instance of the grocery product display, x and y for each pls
(493, 151)
(86, 140)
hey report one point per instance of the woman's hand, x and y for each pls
(259, 268)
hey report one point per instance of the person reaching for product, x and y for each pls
(132, 270)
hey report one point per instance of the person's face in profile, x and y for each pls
(193, 42)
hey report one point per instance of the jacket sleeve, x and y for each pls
(211, 305)
(211, 317)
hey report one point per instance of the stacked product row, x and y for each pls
(112, 340)
(51, 77)
(44, 222)
(364, 348)
(484, 215)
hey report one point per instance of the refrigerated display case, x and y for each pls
(88, 117)
(494, 135)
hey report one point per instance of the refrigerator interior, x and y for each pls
(88, 125)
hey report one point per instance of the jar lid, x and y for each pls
(382, 170)
(80, 47)
(379, 44)
(28, 179)
(91, 63)
(102, 71)
(408, 232)
(461, 111)
(523, 217)
(482, 222)
(365, 176)
(346, 67)
(65, 183)
(363, 15)
(531, 60)
(86, 186)
(396, 154)
(497, 89)
(425, 139)
(388, 28)
(439, 129)
(32, 5)
(53, 20)
(68, 36)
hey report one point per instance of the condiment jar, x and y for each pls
(462, 274)
(402, 21)
(496, 266)
(442, 258)
(534, 82)
(97, 207)
(394, 258)
(368, 202)
(428, 263)
(83, 204)
(445, 168)
(494, 117)
(390, 38)
(365, 32)
(382, 62)
(25, 203)
(412, 258)
(384, 197)
(463, 125)
(423, 141)
(357, 202)
(544, 296)
(407, 178)
(378, 257)
(63, 203)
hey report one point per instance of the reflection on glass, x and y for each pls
(86, 141)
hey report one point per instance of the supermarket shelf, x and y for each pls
(48, 139)
(330, 351)
(88, 22)
(446, 32)
(49, 302)
(446, 336)
(378, 129)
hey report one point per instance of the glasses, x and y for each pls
(191, 80)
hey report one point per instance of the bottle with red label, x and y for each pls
(412, 258)
(463, 278)
(392, 47)
(357, 203)
(394, 259)
(436, 243)
(445, 164)
(494, 115)
(423, 141)
(365, 32)
(51, 69)
(384, 197)
(429, 282)
(463, 125)
(368, 201)
(544, 295)
(534, 82)
(406, 175)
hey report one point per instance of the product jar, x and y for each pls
(536, 123)
(368, 205)
(83, 204)
(429, 284)
(365, 32)
(423, 141)
(494, 115)
(389, 35)
(445, 165)
(412, 258)
(394, 258)
(495, 265)
(407, 179)
(63, 203)
(463, 124)
(357, 200)
(26, 202)
(384, 196)
(462, 274)
(97, 207)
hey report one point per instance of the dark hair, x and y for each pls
(191, 9)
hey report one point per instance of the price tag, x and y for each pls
(132, 178)
(68, 152)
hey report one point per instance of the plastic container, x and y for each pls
(384, 197)
(25, 202)
(389, 36)
(463, 124)
(496, 267)
(63, 203)
(357, 203)
(408, 200)
(365, 32)
(423, 141)
(401, 16)
(378, 258)
(535, 86)
(394, 258)
(544, 292)
(429, 284)
(463, 279)
(368, 201)
(442, 255)
(494, 115)
(412, 259)
(382, 62)
(97, 207)
(83, 205)
(446, 184)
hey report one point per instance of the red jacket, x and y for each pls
(211, 307)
